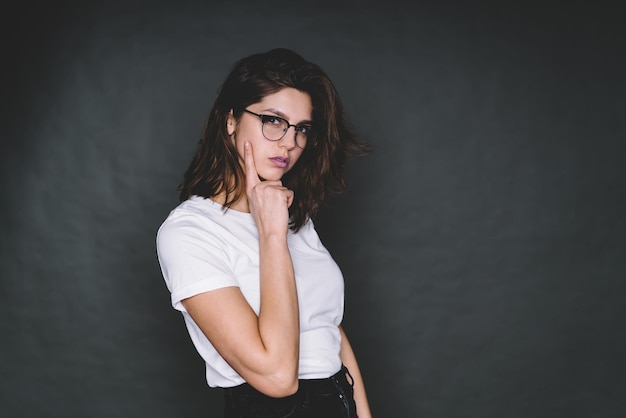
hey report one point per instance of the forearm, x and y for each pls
(349, 360)
(279, 324)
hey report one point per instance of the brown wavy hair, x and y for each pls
(318, 173)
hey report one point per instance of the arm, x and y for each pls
(264, 350)
(349, 360)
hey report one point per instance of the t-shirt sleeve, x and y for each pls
(193, 260)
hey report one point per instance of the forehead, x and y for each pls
(292, 104)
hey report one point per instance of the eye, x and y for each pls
(272, 120)
(304, 129)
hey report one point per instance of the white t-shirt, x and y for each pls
(201, 248)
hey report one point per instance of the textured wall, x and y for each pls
(482, 242)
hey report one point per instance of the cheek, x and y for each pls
(239, 138)
(245, 133)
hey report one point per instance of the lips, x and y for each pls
(280, 162)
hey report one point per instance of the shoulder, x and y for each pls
(196, 219)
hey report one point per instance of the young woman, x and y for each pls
(261, 297)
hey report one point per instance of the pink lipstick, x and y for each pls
(281, 162)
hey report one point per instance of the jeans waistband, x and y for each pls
(330, 385)
(308, 388)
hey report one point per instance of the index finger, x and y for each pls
(252, 177)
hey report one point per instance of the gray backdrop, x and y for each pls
(482, 241)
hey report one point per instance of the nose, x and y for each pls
(289, 141)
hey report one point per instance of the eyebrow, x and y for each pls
(282, 115)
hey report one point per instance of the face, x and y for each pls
(272, 158)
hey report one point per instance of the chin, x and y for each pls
(272, 175)
(270, 178)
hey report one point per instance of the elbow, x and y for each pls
(284, 389)
(279, 384)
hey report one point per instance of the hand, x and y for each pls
(268, 201)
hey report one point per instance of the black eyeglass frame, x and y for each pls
(298, 128)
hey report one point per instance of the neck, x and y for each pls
(241, 205)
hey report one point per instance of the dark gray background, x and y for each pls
(482, 241)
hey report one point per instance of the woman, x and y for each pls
(261, 297)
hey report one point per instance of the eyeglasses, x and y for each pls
(274, 128)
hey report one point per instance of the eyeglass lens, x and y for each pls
(275, 128)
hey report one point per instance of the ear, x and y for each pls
(230, 122)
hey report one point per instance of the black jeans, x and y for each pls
(316, 398)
